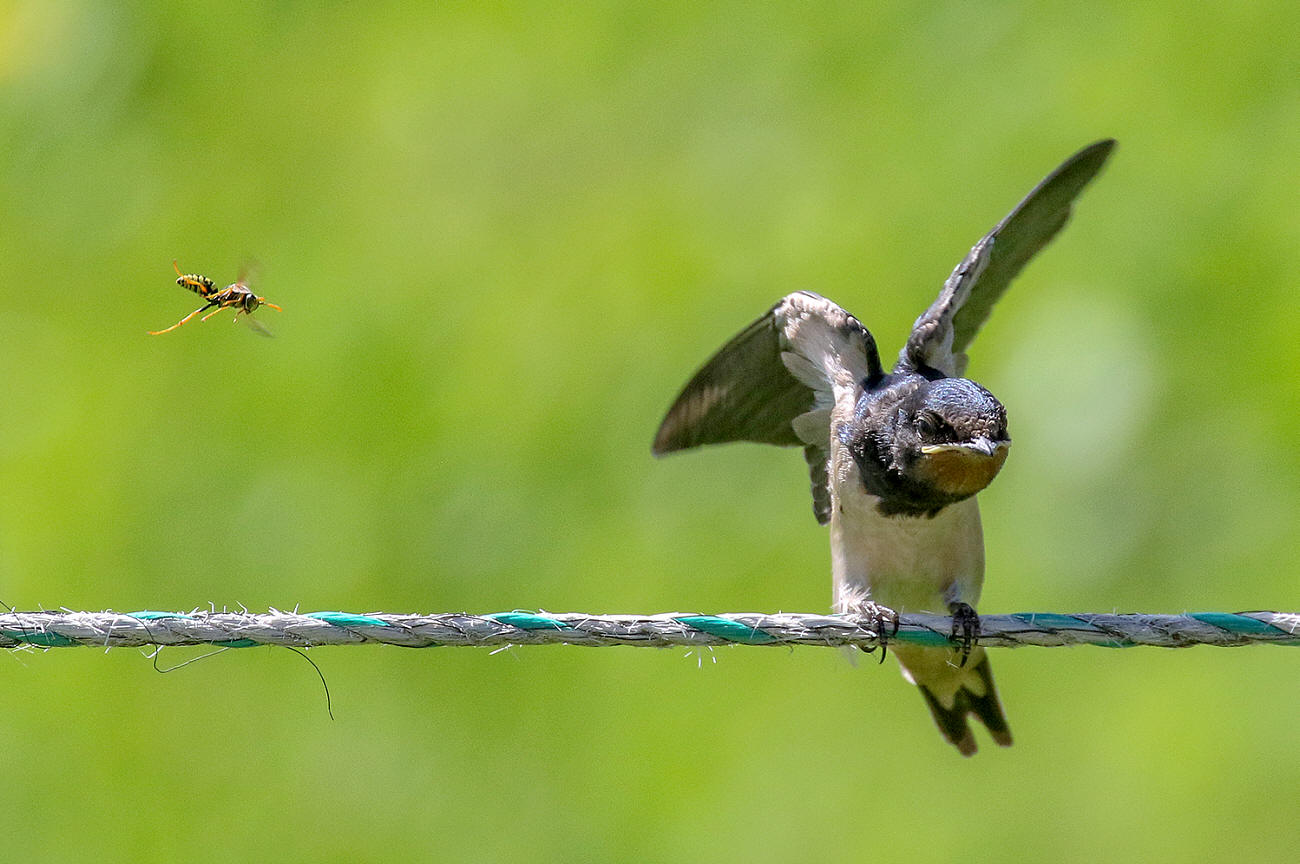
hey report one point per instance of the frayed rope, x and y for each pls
(243, 629)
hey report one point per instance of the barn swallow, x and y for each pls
(896, 458)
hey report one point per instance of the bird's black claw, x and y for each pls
(883, 621)
(965, 628)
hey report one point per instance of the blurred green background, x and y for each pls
(503, 236)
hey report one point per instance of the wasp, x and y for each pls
(237, 295)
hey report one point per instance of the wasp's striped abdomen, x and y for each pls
(200, 285)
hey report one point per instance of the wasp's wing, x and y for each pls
(940, 336)
(257, 326)
(776, 383)
(250, 271)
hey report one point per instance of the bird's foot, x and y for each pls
(882, 621)
(965, 628)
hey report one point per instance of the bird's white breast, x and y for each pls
(908, 563)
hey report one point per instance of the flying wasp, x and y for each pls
(237, 295)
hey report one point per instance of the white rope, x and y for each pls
(111, 629)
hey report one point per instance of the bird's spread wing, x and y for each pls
(776, 383)
(940, 336)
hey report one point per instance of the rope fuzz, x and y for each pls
(245, 629)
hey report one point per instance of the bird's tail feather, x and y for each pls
(951, 720)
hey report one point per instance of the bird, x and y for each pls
(896, 458)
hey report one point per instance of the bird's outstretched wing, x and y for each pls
(776, 383)
(940, 336)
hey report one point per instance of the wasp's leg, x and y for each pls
(180, 322)
(213, 312)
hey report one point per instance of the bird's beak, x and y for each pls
(988, 446)
(982, 445)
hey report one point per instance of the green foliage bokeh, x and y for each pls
(503, 236)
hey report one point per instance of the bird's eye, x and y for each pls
(927, 425)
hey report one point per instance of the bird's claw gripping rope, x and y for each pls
(965, 628)
(879, 619)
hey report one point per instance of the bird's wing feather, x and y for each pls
(775, 383)
(942, 333)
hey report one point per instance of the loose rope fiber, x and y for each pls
(243, 629)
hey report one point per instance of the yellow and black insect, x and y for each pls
(237, 295)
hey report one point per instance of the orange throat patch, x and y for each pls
(960, 471)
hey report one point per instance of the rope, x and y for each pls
(245, 629)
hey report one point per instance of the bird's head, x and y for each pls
(952, 436)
